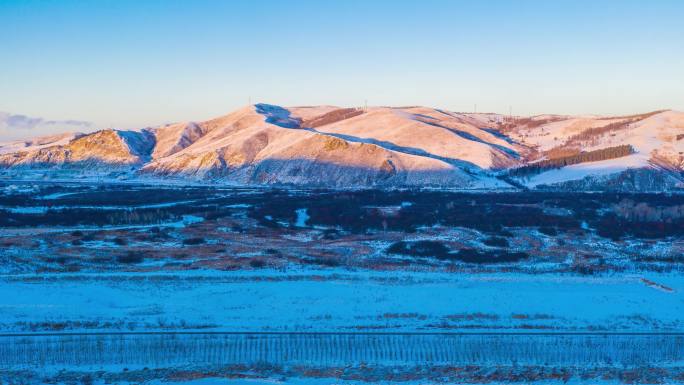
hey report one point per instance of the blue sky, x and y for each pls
(128, 64)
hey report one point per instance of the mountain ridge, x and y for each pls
(328, 146)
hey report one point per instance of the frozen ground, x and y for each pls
(98, 272)
(339, 300)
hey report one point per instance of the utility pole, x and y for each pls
(365, 105)
(249, 101)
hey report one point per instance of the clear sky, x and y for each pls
(129, 64)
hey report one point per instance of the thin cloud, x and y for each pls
(81, 123)
(22, 122)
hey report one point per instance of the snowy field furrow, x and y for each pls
(162, 350)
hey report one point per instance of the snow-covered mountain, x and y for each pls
(106, 148)
(655, 160)
(379, 147)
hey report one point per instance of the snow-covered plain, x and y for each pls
(238, 290)
(324, 300)
(500, 327)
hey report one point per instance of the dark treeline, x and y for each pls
(588, 156)
(103, 195)
(495, 214)
(635, 117)
(530, 122)
(595, 132)
(613, 215)
(114, 196)
(434, 249)
(87, 217)
(405, 211)
(118, 195)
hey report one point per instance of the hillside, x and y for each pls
(655, 162)
(103, 148)
(329, 146)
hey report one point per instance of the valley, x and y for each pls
(81, 260)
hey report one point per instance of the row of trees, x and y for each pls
(87, 217)
(594, 133)
(644, 212)
(588, 156)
